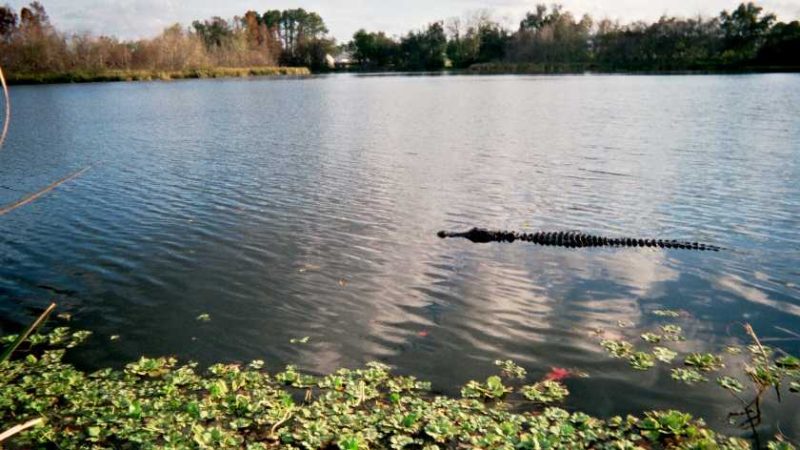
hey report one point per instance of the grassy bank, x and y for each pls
(157, 403)
(149, 75)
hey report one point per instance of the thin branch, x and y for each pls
(22, 337)
(7, 118)
(20, 428)
(30, 198)
(749, 330)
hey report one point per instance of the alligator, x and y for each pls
(572, 239)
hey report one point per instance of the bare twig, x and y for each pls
(20, 428)
(32, 197)
(749, 329)
(25, 334)
(7, 116)
(280, 423)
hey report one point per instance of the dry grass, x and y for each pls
(151, 75)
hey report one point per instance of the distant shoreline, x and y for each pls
(554, 69)
(476, 70)
(572, 69)
(151, 75)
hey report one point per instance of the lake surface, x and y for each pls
(309, 207)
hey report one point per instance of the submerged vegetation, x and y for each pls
(159, 403)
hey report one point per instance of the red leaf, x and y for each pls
(422, 334)
(557, 374)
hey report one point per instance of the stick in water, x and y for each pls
(20, 428)
(7, 115)
(25, 334)
(32, 197)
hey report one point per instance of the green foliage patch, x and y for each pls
(159, 403)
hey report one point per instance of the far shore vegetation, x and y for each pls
(547, 40)
(79, 76)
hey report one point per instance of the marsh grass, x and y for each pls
(154, 75)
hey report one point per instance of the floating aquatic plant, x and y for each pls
(493, 388)
(651, 338)
(668, 424)
(547, 391)
(664, 354)
(705, 362)
(731, 384)
(672, 333)
(688, 376)
(733, 350)
(788, 362)
(618, 348)
(511, 369)
(158, 402)
(641, 361)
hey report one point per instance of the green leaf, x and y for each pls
(204, 318)
(664, 354)
(618, 349)
(256, 364)
(688, 376)
(641, 361)
(705, 362)
(510, 369)
(788, 362)
(651, 338)
(731, 384)
(545, 392)
(672, 333)
(495, 386)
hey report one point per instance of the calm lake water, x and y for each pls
(309, 207)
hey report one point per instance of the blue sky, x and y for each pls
(143, 18)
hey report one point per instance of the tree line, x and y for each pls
(547, 38)
(30, 44)
(554, 39)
